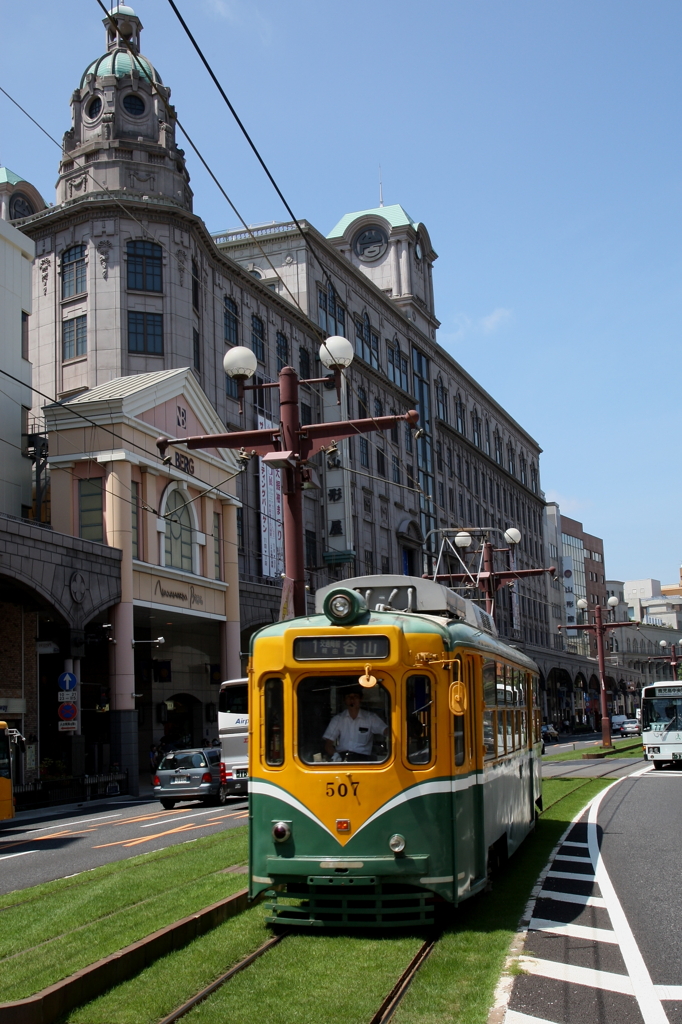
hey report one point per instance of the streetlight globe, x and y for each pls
(512, 535)
(240, 363)
(662, 643)
(463, 539)
(613, 601)
(582, 604)
(336, 353)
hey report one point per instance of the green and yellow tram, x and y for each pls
(394, 754)
(6, 791)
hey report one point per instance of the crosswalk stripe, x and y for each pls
(668, 991)
(575, 975)
(572, 897)
(570, 856)
(574, 842)
(573, 931)
(573, 875)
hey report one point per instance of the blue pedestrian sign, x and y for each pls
(67, 681)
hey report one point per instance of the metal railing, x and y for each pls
(78, 789)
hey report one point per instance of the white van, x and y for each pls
(233, 728)
(617, 721)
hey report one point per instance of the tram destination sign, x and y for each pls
(332, 648)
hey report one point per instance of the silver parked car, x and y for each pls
(190, 775)
(630, 727)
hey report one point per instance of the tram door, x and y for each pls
(467, 795)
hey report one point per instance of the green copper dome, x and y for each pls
(120, 63)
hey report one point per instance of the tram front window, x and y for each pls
(339, 720)
(662, 714)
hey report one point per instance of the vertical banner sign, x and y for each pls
(271, 528)
(569, 595)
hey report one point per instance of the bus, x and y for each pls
(233, 729)
(662, 723)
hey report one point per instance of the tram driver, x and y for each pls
(350, 734)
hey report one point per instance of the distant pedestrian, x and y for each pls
(153, 759)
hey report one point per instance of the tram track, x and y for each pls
(390, 1004)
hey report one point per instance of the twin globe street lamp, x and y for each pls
(290, 446)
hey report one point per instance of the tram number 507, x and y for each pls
(341, 788)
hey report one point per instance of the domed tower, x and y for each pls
(123, 133)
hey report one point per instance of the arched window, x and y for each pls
(511, 460)
(476, 428)
(258, 338)
(533, 479)
(332, 315)
(397, 365)
(144, 266)
(73, 271)
(498, 449)
(367, 342)
(282, 350)
(523, 473)
(231, 321)
(487, 437)
(460, 413)
(441, 400)
(178, 532)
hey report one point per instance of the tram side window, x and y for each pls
(419, 704)
(489, 683)
(489, 733)
(489, 717)
(274, 722)
(339, 720)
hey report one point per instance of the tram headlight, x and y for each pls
(341, 606)
(281, 831)
(397, 843)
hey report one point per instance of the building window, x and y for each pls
(511, 460)
(282, 351)
(439, 456)
(310, 549)
(362, 404)
(258, 338)
(178, 532)
(385, 565)
(451, 500)
(240, 528)
(73, 271)
(395, 463)
(90, 518)
(523, 472)
(408, 438)
(498, 449)
(441, 495)
(460, 413)
(196, 342)
(231, 387)
(231, 321)
(332, 315)
(533, 479)
(366, 342)
(397, 365)
(74, 337)
(364, 452)
(442, 401)
(134, 501)
(216, 546)
(24, 335)
(144, 266)
(378, 408)
(369, 563)
(304, 363)
(487, 437)
(381, 463)
(195, 284)
(306, 414)
(145, 333)
(476, 428)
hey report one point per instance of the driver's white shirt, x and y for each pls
(354, 734)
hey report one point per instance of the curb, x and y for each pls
(51, 1003)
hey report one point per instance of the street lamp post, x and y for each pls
(290, 446)
(672, 657)
(488, 580)
(599, 627)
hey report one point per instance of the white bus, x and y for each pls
(233, 728)
(662, 723)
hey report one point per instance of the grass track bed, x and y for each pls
(56, 929)
(326, 979)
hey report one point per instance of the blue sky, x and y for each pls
(538, 141)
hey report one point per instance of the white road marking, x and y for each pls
(669, 991)
(8, 856)
(577, 975)
(514, 1017)
(69, 823)
(642, 986)
(573, 931)
(215, 811)
(571, 897)
(642, 771)
(574, 842)
(573, 876)
(578, 860)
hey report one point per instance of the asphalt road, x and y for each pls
(603, 943)
(38, 849)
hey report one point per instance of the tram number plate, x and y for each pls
(320, 648)
(677, 757)
(179, 779)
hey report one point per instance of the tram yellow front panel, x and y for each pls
(343, 797)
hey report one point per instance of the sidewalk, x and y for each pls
(146, 795)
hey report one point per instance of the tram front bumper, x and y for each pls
(340, 867)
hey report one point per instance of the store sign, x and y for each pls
(190, 596)
(569, 596)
